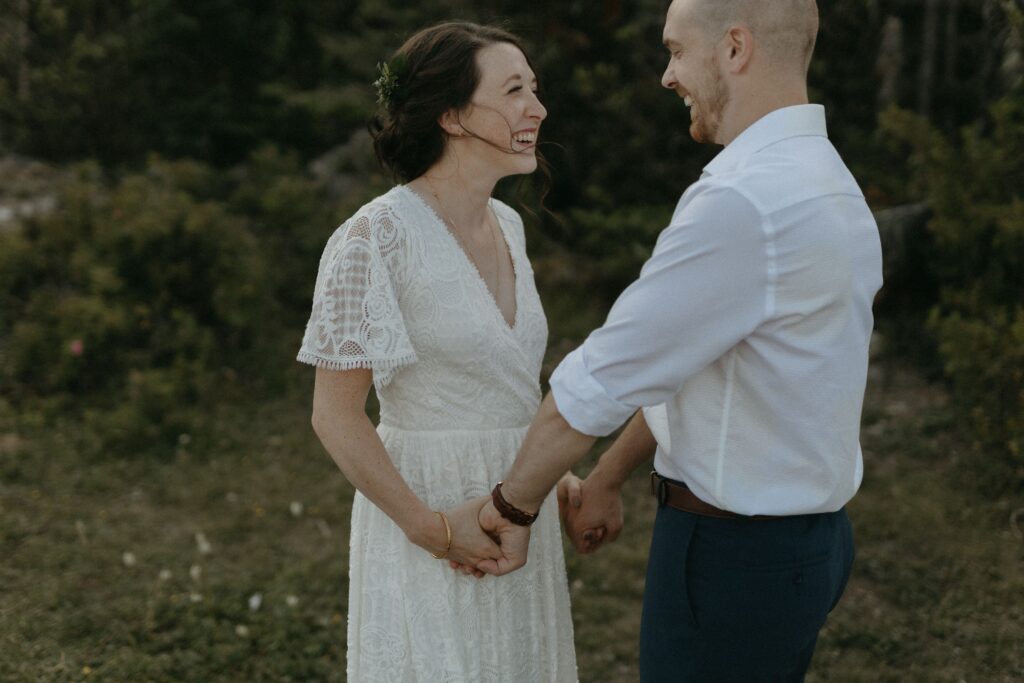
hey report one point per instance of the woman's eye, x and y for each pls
(515, 89)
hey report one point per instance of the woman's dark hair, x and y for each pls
(437, 72)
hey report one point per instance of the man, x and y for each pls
(745, 343)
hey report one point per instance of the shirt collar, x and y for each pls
(788, 122)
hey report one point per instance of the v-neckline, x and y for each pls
(496, 307)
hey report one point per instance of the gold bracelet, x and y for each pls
(448, 530)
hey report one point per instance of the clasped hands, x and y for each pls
(590, 510)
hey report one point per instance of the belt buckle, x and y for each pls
(659, 487)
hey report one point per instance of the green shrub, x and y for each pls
(138, 302)
(616, 243)
(974, 189)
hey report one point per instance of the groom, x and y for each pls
(741, 355)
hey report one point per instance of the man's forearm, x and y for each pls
(634, 447)
(550, 448)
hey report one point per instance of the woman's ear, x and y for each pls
(450, 123)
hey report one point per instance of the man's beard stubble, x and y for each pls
(704, 126)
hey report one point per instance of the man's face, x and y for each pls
(693, 71)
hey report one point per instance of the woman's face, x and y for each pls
(504, 110)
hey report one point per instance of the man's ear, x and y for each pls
(450, 123)
(738, 47)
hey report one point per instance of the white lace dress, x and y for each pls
(457, 387)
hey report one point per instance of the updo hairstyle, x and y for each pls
(438, 72)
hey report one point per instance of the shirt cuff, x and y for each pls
(582, 401)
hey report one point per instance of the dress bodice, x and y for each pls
(396, 293)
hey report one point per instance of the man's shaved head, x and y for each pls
(784, 29)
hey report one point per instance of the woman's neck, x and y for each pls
(463, 196)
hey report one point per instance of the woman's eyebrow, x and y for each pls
(516, 77)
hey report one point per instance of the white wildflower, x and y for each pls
(195, 597)
(128, 559)
(291, 601)
(202, 543)
(296, 508)
(242, 630)
(255, 600)
(80, 528)
(165, 575)
(196, 572)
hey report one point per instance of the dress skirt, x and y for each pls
(412, 618)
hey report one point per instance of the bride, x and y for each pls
(427, 294)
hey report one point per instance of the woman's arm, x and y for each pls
(341, 423)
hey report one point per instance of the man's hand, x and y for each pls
(598, 518)
(514, 542)
(568, 494)
(570, 499)
(470, 545)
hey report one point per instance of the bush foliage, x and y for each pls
(973, 185)
(160, 284)
(138, 300)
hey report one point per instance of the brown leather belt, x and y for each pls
(678, 495)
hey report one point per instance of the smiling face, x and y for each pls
(502, 121)
(693, 71)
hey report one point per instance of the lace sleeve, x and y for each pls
(356, 321)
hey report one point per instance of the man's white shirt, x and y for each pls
(745, 338)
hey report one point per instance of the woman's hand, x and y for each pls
(569, 494)
(470, 545)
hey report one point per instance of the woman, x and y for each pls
(427, 293)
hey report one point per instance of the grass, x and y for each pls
(103, 577)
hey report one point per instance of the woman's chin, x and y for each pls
(524, 165)
(528, 160)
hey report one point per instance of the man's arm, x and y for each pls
(705, 288)
(550, 448)
(599, 517)
(633, 448)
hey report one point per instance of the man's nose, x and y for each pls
(668, 80)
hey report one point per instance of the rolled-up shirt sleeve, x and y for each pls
(582, 401)
(707, 285)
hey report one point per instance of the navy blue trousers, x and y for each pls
(740, 600)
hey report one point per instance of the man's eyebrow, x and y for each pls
(668, 42)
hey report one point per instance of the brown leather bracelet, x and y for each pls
(509, 511)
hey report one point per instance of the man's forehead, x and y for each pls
(676, 11)
(675, 20)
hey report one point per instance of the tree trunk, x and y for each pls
(952, 38)
(1012, 67)
(992, 38)
(889, 64)
(22, 38)
(949, 76)
(929, 49)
